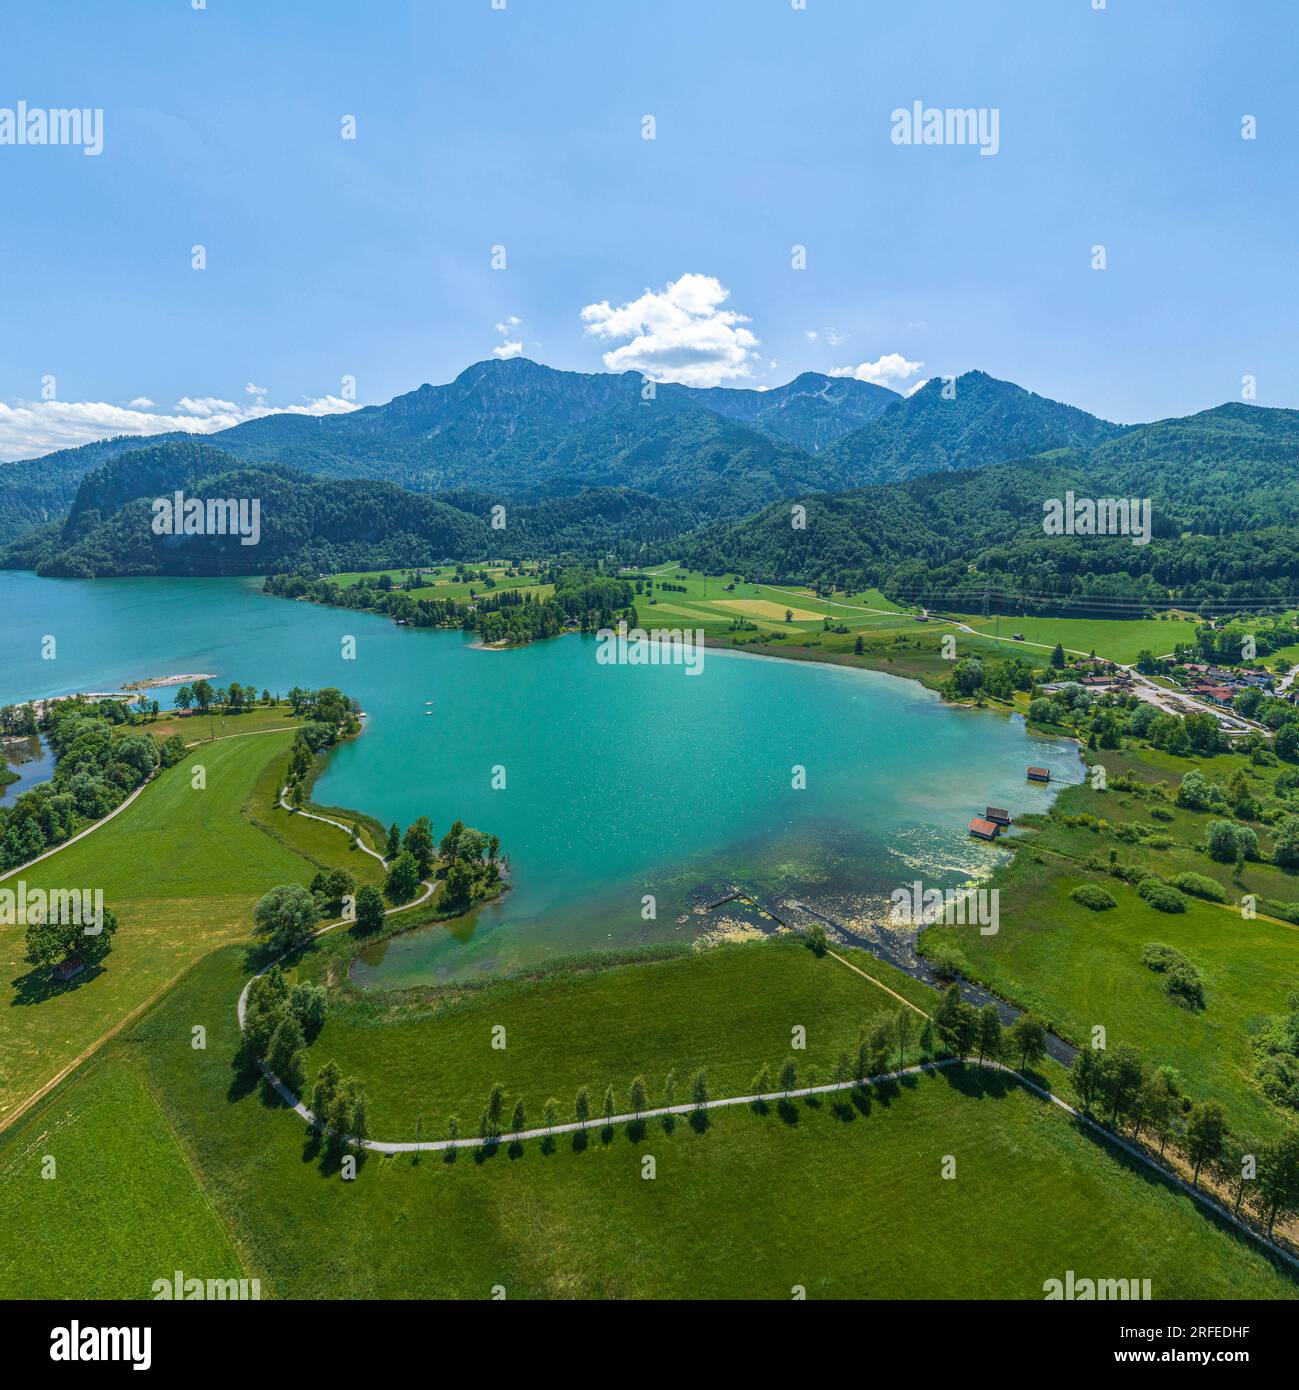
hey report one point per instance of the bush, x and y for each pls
(1160, 957)
(1181, 978)
(1092, 895)
(1161, 896)
(1185, 986)
(1198, 886)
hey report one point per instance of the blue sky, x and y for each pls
(370, 259)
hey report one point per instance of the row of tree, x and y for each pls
(1120, 1087)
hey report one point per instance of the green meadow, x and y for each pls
(715, 600)
(97, 1197)
(424, 1057)
(1115, 639)
(1081, 968)
(893, 639)
(201, 728)
(441, 582)
(841, 1199)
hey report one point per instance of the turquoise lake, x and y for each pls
(620, 782)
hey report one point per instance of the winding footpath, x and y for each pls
(347, 830)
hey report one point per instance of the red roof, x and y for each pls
(1042, 773)
(985, 828)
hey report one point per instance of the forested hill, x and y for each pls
(981, 421)
(316, 524)
(1224, 494)
(37, 491)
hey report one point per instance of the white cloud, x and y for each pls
(252, 390)
(834, 337)
(890, 368)
(680, 334)
(32, 428)
(510, 347)
(911, 390)
(205, 406)
(811, 334)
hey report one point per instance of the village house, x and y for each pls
(1219, 694)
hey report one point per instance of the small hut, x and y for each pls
(1039, 774)
(984, 829)
(998, 816)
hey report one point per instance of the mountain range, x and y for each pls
(517, 429)
(937, 494)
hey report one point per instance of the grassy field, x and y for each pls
(201, 727)
(182, 869)
(1082, 968)
(441, 581)
(729, 1009)
(843, 1200)
(892, 638)
(1116, 639)
(708, 602)
(122, 1207)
